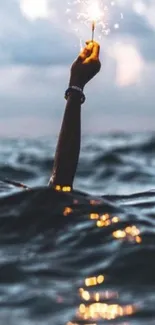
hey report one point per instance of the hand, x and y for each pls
(86, 66)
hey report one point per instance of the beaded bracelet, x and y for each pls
(75, 88)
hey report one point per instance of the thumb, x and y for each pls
(89, 45)
(87, 51)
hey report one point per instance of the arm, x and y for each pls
(68, 148)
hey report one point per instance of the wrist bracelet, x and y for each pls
(75, 89)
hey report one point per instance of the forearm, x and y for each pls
(68, 147)
(86, 66)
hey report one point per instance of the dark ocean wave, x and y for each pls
(79, 258)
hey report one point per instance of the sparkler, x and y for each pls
(103, 16)
(93, 30)
(94, 14)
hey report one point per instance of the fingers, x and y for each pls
(87, 51)
(95, 50)
(90, 53)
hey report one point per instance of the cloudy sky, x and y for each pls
(39, 39)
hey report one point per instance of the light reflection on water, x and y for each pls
(49, 256)
(97, 303)
(130, 233)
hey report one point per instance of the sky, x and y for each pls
(39, 40)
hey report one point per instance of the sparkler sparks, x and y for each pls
(94, 14)
(104, 16)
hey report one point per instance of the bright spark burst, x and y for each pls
(92, 12)
(106, 15)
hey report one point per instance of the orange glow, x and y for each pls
(58, 188)
(93, 309)
(82, 308)
(131, 233)
(100, 279)
(97, 297)
(119, 234)
(94, 216)
(85, 295)
(63, 189)
(66, 189)
(100, 224)
(67, 211)
(91, 282)
(115, 220)
(98, 311)
(135, 231)
(138, 239)
(104, 220)
(105, 217)
(94, 281)
(107, 223)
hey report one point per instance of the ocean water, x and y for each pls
(85, 257)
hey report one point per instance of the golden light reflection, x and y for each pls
(91, 282)
(58, 188)
(66, 189)
(67, 211)
(131, 233)
(94, 281)
(133, 230)
(98, 303)
(86, 295)
(100, 224)
(97, 296)
(138, 239)
(105, 217)
(63, 188)
(118, 234)
(94, 216)
(115, 220)
(98, 311)
(100, 279)
(104, 220)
